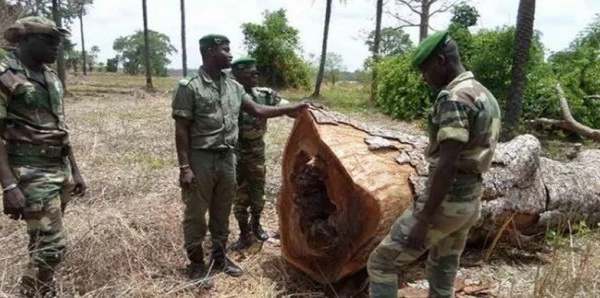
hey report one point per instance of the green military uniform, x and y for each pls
(464, 111)
(251, 158)
(37, 144)
(214, 108)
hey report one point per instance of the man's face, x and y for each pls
(43, 48)
(434, 71)
(222, 56)
(248, 77)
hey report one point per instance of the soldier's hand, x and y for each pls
(80, 186)
(14, 202)
(187, 178)
(417, 236)
(299, 107)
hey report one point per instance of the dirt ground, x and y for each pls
(125, 238)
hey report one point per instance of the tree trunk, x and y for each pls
(319, 79)
(183, 43)
(83, 54)
(376, 43)
(148, 67)
(345, 183)
(424, 23)
(60, 62)
(523, 36)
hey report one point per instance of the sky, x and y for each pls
(107, 20)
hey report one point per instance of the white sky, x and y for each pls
(558, 20)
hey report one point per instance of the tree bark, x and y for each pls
(523, 37)
(320, 74)
(83, 54)
(345, 183)
(149, 85)
(424, 23)
(60, 62)
(183, 43)
(376, 43)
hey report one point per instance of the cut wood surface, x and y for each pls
(345, 183)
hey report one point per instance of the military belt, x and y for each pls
(42, 150)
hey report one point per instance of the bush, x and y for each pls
(402, 93)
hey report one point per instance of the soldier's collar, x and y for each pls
(206, 78)
(467, 75)
(15, 63)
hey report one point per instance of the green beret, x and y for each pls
(243, 62)
(33, 25)
(213, 40)
(427, 46)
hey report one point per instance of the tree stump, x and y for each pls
(345, 183)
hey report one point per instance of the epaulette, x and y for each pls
(186, 81)
(264, 89)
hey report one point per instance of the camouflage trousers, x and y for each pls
(251, 180)
(47, 190)
(214, 192)
(445, 241)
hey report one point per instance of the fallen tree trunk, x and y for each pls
(345, 183)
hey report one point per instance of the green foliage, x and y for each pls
(402, 93)
(464, 15)
(334, 65)
(112, 64)
(275, 45)
(131, 51)
(393, 42)
(578, 70)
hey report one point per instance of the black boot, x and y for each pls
(245, 240)
(46, 283)
(221, 262)
(198, 273)
(258, 230)
(196, 270)
(29, 286)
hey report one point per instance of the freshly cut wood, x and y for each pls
(345, 183)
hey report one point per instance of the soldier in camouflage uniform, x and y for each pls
(38, 172)
(251, 155)
(206, 109)
(463, 132)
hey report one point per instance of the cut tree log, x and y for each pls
(568, 122)
(345, 183)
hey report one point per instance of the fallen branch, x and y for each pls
(568, 122)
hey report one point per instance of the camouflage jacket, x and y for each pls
(465, 111)
(33, 110)
(252, 128)
(213, 107)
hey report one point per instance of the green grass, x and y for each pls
(343, 97)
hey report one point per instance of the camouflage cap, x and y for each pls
(243, 62)
(33, 25)
(213, 40)
(427, 46)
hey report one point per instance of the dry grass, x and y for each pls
(125, 235)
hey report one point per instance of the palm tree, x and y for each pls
(319, 81)
(522, 45)
(183, 47)
(60, 62)
(80, 12)
(149, 85)
(376, 42)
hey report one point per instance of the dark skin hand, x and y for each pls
(13, 200)
(182, 142)
(444, 175)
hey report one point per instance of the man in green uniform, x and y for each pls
(251, 155)
(38, 171)
(206, 109)
(463, 132)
